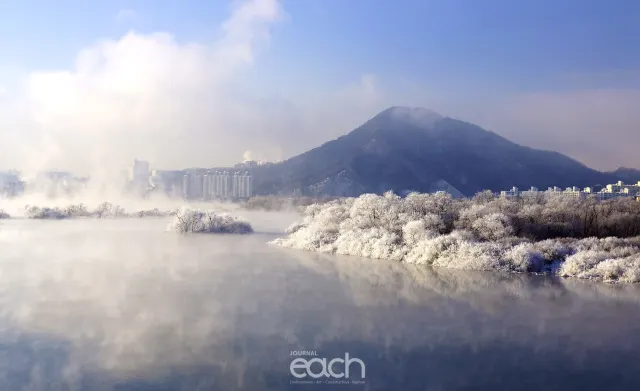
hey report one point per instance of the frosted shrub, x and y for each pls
(427, 251)
(433, 222)
(332, 216)
(75, 210)
(295, 227)
(369, 210)
(493, 227)
(417, 205)
(312, 237)
(615, 247)
(107, 209)
(415, 231)
(468, 216)
(155, 212)
(578, 264)
(196, 221)
(524, 257)
(622, 269)
(512, 241)
(471, 256)
(374, 243)
(553, 249)
(4, 215)
(483, 197)
(546, 234)
(103, 210)
(34, 212)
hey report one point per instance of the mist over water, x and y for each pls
(121, 304)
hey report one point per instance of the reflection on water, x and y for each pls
(123, 305)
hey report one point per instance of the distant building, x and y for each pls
(208, 186)
(140, 174)
(620, 187)
(219, 184)
(224, 191)
(574, 192)
(235, 187)
(508, 194)
(11, 185)
(192, 186)
(245, 184)
(167, 181)
(618, 190)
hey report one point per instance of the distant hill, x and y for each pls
(413, 149)
(627, 175)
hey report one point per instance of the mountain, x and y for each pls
(626, 175)
(413, 149)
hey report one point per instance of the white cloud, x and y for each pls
(141, 95)
(177, 104)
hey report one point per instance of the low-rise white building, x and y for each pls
(618, 190)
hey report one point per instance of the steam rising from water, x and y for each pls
(125, 299)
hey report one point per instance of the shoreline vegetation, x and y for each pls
(551, 234)
(184, 220)
(188, 220)
(104, 210)
(277, 203)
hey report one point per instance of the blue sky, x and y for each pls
(519, 45)
(484, 61)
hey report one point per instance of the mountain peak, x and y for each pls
(404, 148)
(414, 115)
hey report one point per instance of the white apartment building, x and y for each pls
(140, 173)
(610, 192)
(207, 186)
(218, 185)
(513, 193)
(192, 184)
(622, 188)
(574, 192)
(241, 185)
(235, 187)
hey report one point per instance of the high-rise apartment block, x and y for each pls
(139, 174)
(217, 185)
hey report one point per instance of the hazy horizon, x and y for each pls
(207, 85)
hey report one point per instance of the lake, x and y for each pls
(125, 305)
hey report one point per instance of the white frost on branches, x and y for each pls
(196, 221)
(570, 238)
(34, 212)
(104, 210)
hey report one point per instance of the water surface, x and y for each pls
(124, 305)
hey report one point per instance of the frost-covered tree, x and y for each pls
(554, 234)
(483, 197)
(197, 221)
(493, 226)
